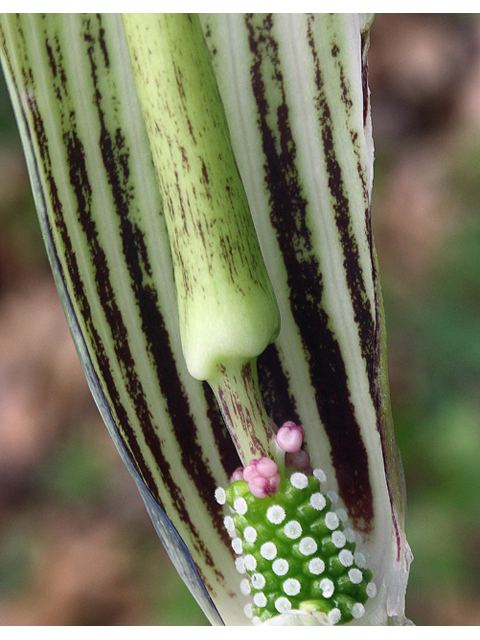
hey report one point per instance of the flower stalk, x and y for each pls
(196, 179)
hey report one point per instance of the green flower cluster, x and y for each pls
(296, 551)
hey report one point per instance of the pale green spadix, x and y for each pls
(227, 309)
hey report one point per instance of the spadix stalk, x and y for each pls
(227, 309)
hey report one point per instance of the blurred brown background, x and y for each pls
(76, 545)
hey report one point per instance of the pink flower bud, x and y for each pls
(273, 484)
(261, 487)
(237, 474)
(258, 486)
(250, 470)
(290, 437)
(266, 467)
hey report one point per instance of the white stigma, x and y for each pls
(245, 587)
(320, 475)
(293, 529)
(299, 480)
(327, 587)
(346, 557)
(338, 539)
(276, 514)
(291, 586)
(237, 545)
(307, 546)
(240, 565)
(355, 575)
(371, 590)
(316, 566)
(282, 605)
(280, 567)
(240, 506)
(268, 551)
(220, 495)
(358, 610)
(331, 520)
(250, 534)
(334, 615)
(258, 581)
(260, 600)
(248, 611)
(250, 562)
(318, 502)
(229, 525)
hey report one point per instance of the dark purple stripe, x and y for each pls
(280, 404)
(341, 206)
(288, 218)
(365, 90)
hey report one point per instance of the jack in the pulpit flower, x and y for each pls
(203, 184)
